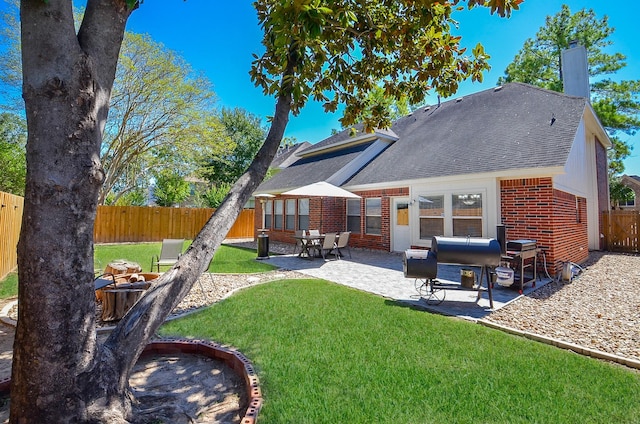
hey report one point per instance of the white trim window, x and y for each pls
(354, 217)
(268, 213)
(277, 214)
(466, 211)
(431, 216)
(303, 214)
(373, 216)
(290, 214)
(630, 202)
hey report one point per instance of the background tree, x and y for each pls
(136, 197)
(214, 196)
(239, 140)
(310, 49)
(617, 103)
(242, 135)
(13, 167)
(397, 108)
(170, 188)
(620, 193)
(158, 105)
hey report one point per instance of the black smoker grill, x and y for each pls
(423, 264)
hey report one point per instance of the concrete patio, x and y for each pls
(381, 273)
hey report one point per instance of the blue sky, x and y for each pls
(218, 38)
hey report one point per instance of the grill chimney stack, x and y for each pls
(575, 71)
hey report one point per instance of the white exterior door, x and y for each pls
(401, 236)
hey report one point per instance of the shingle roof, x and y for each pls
(312, 169)
(289, 154)
(516, 126)
(632, 181)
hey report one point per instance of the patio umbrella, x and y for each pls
(321, 189)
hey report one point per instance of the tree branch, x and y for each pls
(128, 339)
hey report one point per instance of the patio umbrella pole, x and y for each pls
(321, 210)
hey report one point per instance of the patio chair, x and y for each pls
(315, 233)
(169, 254)
(343, 242)
(327, 246)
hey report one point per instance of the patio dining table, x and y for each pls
(307, 243)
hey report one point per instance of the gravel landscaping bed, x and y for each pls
(599, 309)
(211, 288)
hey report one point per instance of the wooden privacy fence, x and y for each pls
(10, 219)
(115, 224)
(620, 230)
(119, 224)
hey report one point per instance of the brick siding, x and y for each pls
(334, 217)
(533, 209)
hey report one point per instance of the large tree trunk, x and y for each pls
(60, 372)
(67, 80)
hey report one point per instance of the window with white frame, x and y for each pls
(277, 214)
(630, 201)
(431, 213)
(290, 214)
(466, 211)
(303, 214)
(373, 216)
(268, 213)
(353, 215)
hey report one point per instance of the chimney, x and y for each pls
(575, 71)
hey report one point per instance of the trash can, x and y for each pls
(263, 244)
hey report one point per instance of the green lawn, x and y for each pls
(228, 259)
(9, 286)
(329, 354)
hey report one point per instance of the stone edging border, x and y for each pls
(598, 354)
(234, 359)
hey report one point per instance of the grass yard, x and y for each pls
(9, 286)
(228, 259)
(329, 354)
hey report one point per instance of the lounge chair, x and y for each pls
(169, 254)
(343, 241)
(328, 245)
